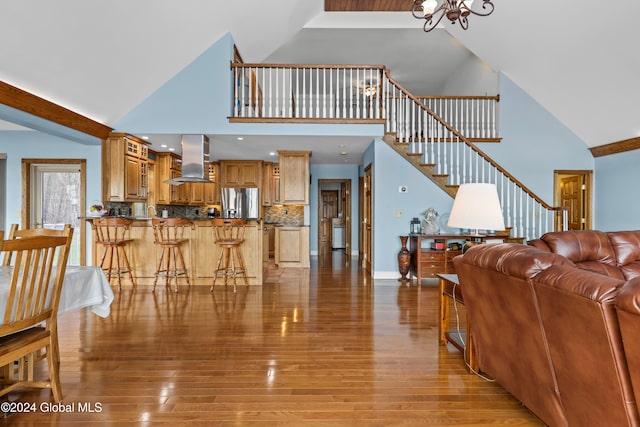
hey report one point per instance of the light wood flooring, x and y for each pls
(327, 346)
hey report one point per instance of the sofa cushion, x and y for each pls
(515, 260)
(626, 245)
(588, 249)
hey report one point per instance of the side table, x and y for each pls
(450, 291)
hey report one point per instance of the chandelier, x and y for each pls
(454, 10)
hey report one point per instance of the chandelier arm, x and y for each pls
(464, 22)
(428, 25)
(485, 3)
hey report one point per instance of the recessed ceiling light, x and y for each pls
(343, 153)
(163, 145)
(145, 137)
(240, 138)
(272, 153)
(172, 149)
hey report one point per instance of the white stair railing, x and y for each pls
(452, 155)
(475, 117)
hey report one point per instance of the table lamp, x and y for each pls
(476, 207)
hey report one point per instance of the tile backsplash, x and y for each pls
(284, 215)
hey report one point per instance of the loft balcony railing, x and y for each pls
(307, 92)
(475, 117)
(368, 94)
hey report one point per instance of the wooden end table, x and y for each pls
(450, 291)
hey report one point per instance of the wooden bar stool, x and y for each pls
(228, 234)
(112, 234)
(168, 234)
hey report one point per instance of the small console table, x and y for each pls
(450, 292)
(428, 262)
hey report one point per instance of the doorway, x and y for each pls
(366, 215)
(53, 195)
(334, 217)
(573, 191)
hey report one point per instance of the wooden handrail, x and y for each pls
(489, 97)
(327, 66)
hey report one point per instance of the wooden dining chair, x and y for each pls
(29, 319)
(16, 233)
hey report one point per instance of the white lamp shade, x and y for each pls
(476, 207)
(428, 6)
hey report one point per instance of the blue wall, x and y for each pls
(390, 171)
(617, 192)
(32, 144)
(534, 143)
(198, 100)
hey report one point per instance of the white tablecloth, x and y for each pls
(83, 286)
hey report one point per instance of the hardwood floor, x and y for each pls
(326, 347)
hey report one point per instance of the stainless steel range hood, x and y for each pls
(195, 156)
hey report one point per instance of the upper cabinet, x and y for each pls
(241, 173)
(124, 168)
(169, 166)
(271, 184)
(212, 190)
(294, 177)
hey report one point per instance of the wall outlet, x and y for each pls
(398, 214)
(403, 189)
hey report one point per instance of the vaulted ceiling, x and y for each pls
(102, 59)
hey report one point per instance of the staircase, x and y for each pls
(368, 94)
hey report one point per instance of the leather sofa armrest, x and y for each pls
(587, 284)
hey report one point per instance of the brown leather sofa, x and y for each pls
(615, 254)
(545, 326)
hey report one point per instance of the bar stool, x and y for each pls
(228, 234)
(112, 234)
(168, 234)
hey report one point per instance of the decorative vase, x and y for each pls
(404, 259)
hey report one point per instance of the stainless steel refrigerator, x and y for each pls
(240, 203)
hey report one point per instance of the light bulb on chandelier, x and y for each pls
(454, 10)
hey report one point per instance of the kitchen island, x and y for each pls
(200, 253)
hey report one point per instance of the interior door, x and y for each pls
(573, 190)
(571, 199)
(366, 229)
(328, 211)
(346, 215)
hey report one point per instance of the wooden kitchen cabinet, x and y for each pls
(241, 173)
(124, 168)
(169, 166)
(271, 184)
(212, 190)
(294, 177)
(292, 246)
(195, 191)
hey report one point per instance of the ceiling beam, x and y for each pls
(21, 100)
(616, 147)
(368, 5)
